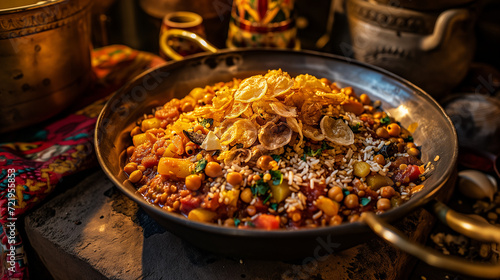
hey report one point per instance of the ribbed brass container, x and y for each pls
(44, 57)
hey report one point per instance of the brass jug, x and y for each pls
(431, 49)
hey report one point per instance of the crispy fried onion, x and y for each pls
(241, 131)
(312, 133)
(283, 110)
(273, 136)
(238, 156)
(296, 127)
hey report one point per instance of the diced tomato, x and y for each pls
(260, 207)
(149, 161)
(189, 203)
(167, 113)
(410, 174)
(179, 144)
(266, 221)
(211, 203)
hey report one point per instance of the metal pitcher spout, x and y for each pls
(443, 28)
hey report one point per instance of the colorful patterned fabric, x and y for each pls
(31, 168)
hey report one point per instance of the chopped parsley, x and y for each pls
(259, 188)
(267, 198)
(385, 120)
(355, 128)
(346, 192)
(274, 206)
(276, 157)
(313, 153)
(236, 222)
(200, 165)
(409, 139)
(365, 200)
(276, 177)
(206, 122)
(250, 224)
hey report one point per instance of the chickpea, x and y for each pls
(256, 177)
(410, 145)
(351, 201)
(141, 167)
(130, 167)
(403, 166)
(229, 222)
(296, 217)
(335, 220)
(207, 99)
(413, 152)
(361, 193)
(394, 129)
(187, 107)
(135, 176)
(353, 218)
(264, 162)
(379, 159)
(382, 132)
(193, 182)
(401, 147)
(190, 148)
(213, 169)
(130, 150)
(197, 93)
(246, 195)
(336, 194)
(267, 177)
(135, 131)
(234, 178)
(383, 204)
(379, 115)
(365, 99)
(387, 192)
(251, 210)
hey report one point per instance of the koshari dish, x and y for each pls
(271, 151)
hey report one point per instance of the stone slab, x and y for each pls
(92, 231)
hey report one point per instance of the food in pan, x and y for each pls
(273, 151)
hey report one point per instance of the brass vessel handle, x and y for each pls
(167, 50)
(432, 257)
(465, 225)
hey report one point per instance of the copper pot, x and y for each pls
(45, 57)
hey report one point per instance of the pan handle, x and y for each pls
(459, 222)
(167, 50)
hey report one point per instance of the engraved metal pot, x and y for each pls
(432, 49)
(44, 57)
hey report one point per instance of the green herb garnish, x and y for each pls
(200, 165)
(409, 139)
(276, 177)
(274, 206)
(355, 128)
(276, 157)
(206, 122)
(365, 200)
(267, 198)
(385, 120)
(236, 222)
(325, 146)
(259, 188)
(346, 192)
(250, 224)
